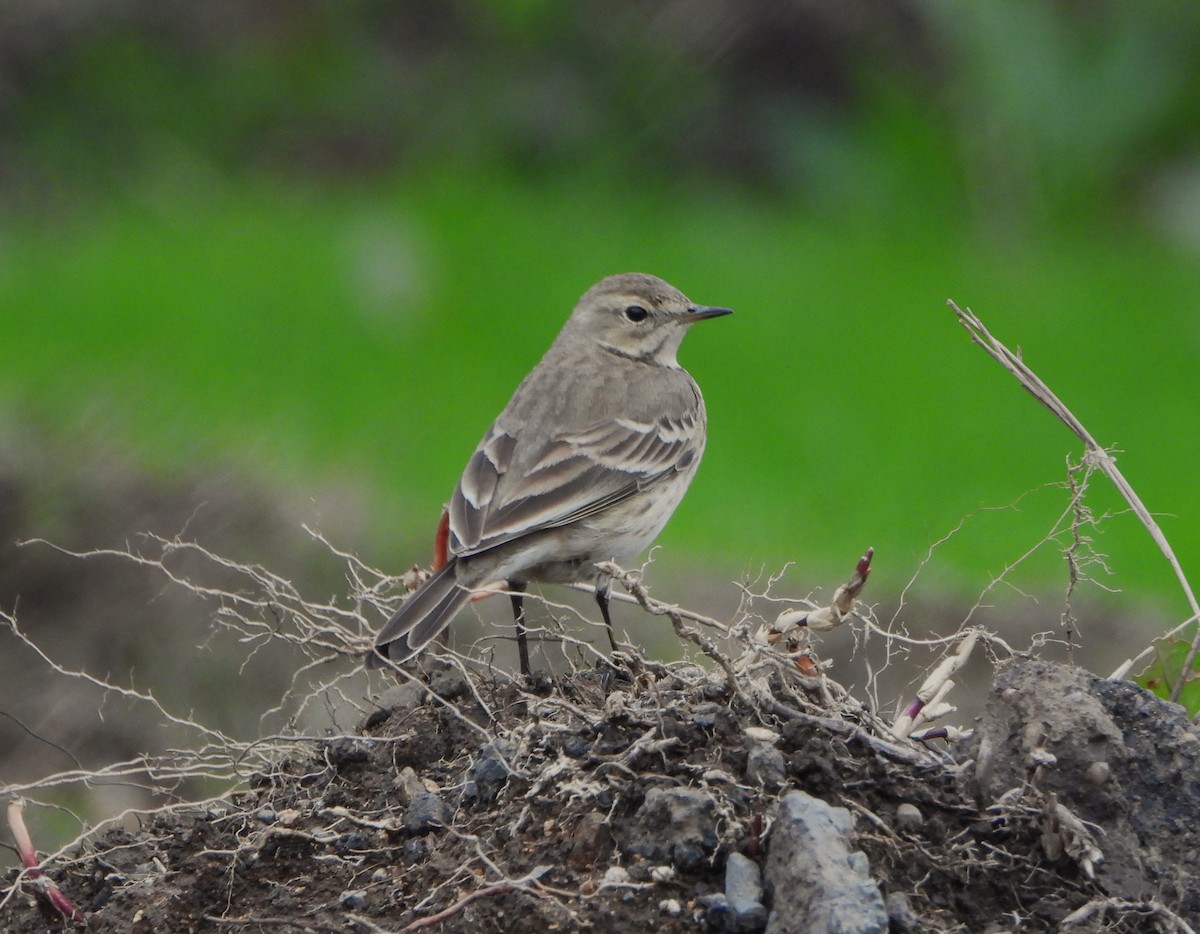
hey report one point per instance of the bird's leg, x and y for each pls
(611, 671)
(603, 589)
(517, 595)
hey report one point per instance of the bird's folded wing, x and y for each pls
(505, 492)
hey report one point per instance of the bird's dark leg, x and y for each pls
(517, 595)
(603, 589)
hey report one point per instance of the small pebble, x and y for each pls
(1043, 758)
(717, 913)
(353, 901)
(744, 893)
(406, 695)
(288, 816)
(909, 817)
(426, 812)
(670, 906)
(715, 687)
(101, 898)
(616, 875)
(766, 766)
(407, 786)
(266, 816)
(901, 917)
(415, 850)
(488, 774)
(1098, 772)
(448, 683)
(705, 716)
(662, 874)
(353, 842)
(743, 879)
(576, 746)
(345, 753)
(616, 705)
(761, 735)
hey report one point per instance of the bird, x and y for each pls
(586, 463)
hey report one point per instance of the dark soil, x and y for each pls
(500, 810)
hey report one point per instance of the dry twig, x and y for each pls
(1166, 919)
(1094, 455)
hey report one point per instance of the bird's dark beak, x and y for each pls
(700, 312)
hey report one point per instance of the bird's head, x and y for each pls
(637, 316)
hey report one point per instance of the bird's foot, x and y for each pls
(539, 682)
(617, 668)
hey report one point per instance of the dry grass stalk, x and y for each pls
(1094, 455)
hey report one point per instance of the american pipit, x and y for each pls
(586, 463)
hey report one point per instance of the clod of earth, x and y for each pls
(678, 806)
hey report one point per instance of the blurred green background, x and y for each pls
(313, 246)
(323, 241)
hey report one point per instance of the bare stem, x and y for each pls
(1094, 455)
(33, 870)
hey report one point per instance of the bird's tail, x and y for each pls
(420, 618)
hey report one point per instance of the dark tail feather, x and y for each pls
(420, 618)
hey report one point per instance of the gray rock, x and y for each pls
(716, 914)
(415, 850)
(448, 682)
(909, 817)
(1116, 756)
(489, 772)
(353, 842)
(743, 879)
(591, 842)
(344, 754)
(353, 901)
(705, 715)
(766, 766)
(404, 695)
(407, 786)
(426, 812)
(744, 891)
(676, 825)
(901, 915)
(818, 885)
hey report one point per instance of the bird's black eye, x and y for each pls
(636, 313)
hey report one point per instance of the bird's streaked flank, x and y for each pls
(586, 463)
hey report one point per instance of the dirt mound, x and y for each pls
(615, 800)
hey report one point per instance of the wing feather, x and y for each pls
(571, 476)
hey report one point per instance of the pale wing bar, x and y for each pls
(575, 476)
